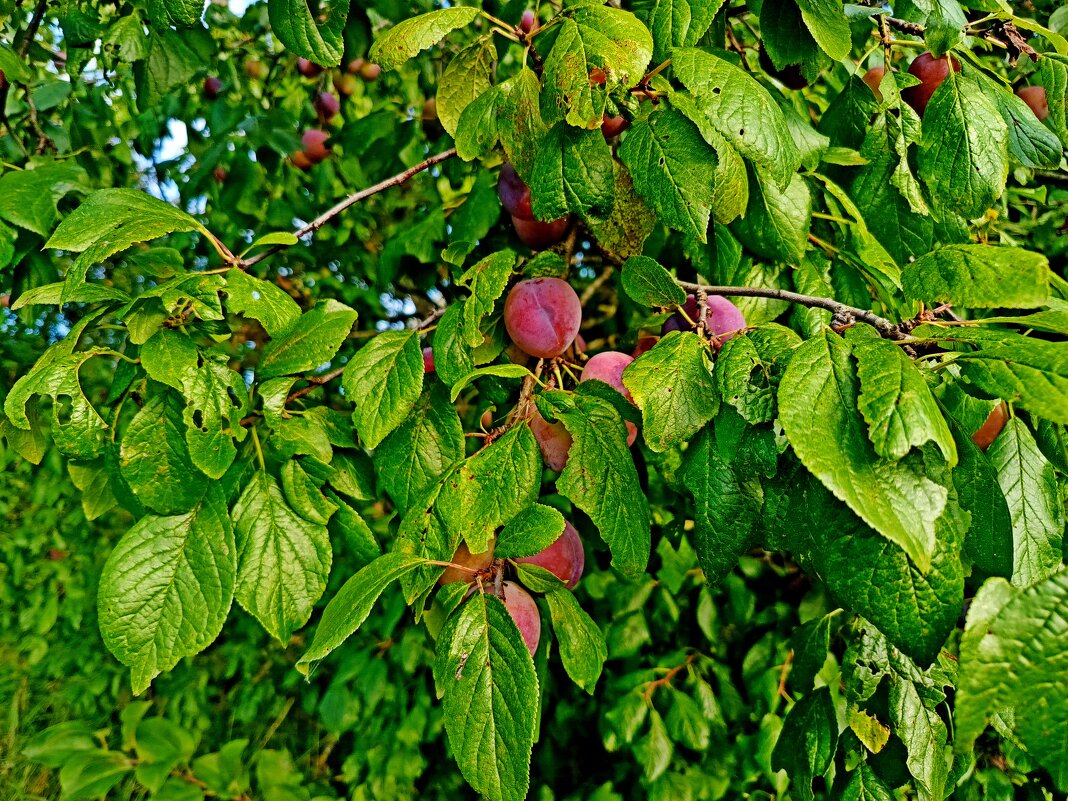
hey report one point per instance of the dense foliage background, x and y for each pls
(805, 579)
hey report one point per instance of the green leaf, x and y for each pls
(1013, 654)
(419, 451)
(807, 742)
(924, 735)
(466, 78)
(865, 785)
(311, 341)
(519, 120)
(155, 459)
(582, 647)
(895, 400)
(776, 222)
(285, 238)
(491, 487)
(170, 356)
(592, 36)
(477, 129)
(283, 559)
(750, 367)
(315, 35)
(979, 277)
(726, 508)
(672, 385)
(176, 12)
(915, 609)
(573, 172)
(600, 479)
(964, 149)
(407, 38)
(677, 23)
(672, 168)
(487, 678)
(742, 110)
(486, 282)
(216, 401)
(499, 370)
(649, 284)
(828, 26)
(1029, 485)
(13, 66)
(384, 380)
(261, 300)
(51, 295)
(810, 644)
(303, 494)
(1031, 143)
(818, 395)
(631, 221)
(452, 358)
(529, 532)
(173, 58)
(91, 774)
(166, 589)
(347, 610)
(28, 198)
(655, 749)
(348, 527)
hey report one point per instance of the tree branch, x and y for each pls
(23, 49)
(841, 310)
(352, 199)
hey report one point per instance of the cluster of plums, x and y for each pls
(565, 558)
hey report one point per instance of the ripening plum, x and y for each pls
(309, 69)
(1035, 98)
(370, 72)
(613, 126)
(514, 193)
(542, 316)
(428, 360)
(724, 319)
(464, 558)
(540, 235)
(314, 142)
(608, 367)
(932, 72)
(565, 558)
(212, 87)
(345, 84)
(524, 612)
(526, 22)
(326, 106)
(256, 69)
(554, 441)
(300, 160)
(986, 433)
(219, 174)
(644, 344)
(873, 78)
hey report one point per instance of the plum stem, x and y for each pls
(884, 326)
(356, 197)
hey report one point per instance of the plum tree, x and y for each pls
(985, 435)
(1035, 97)
(932, 72)
(724, 319)
(463, 557)
(564, 558)
(873, 78)
(553, 439)
(314, 143)
(608, 366)
(212, 87)
(309, 69)
(542, 316)
(524, 612)
(326, 106)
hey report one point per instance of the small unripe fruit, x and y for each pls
(300, 159)
(486, 420)
(309, 69)
(370, 72)
(565, 558)
(553, 440)
(1035, 98)
(526, 22)
(932, 72)
(613, 126)
(598, 77)
(539, 235)
(472, 561)
(354, 66)
(524, 612)
(986, 434)
(345, 84)
(542, 316)
(219, 174)
(314, 142)
(212, 87)
(326, 106)
(256, 69)
(428, 360)
(873, 78)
